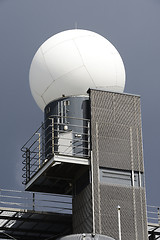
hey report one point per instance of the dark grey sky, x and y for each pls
(132, 27)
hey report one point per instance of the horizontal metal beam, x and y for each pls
(154, 232)
(28, 219)
(70, 159)
(29, 230)
(16, 210)
(23, 237)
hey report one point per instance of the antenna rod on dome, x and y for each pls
(75, 25)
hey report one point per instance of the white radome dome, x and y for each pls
(71, 62)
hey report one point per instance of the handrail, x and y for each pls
(50, 139)
(43, 124)
(55, 203)
(153, 214)
(35, 201)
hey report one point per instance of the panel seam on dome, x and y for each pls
(46, 66)
(39, 96)
(83, 62)
(62, 76)
(44, 52)
(43, 100)
(36, 92)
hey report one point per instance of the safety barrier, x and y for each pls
(35, 201)
(153, 214)
(58, 135)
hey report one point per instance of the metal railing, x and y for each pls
(35, 201)
(153, 214)
(55, 203)
(58, 135)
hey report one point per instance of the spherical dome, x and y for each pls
(71, 62)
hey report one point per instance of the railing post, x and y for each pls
(33, 201)
(89, 139)
(119, 221)
(158, 216)
(52, 135)
(43, 142)
(27, 165)
(39, 148)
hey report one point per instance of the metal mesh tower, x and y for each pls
(117, 171)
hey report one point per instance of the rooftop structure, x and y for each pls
(89, 148)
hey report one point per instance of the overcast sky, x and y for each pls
(132, 26)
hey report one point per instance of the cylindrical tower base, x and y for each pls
(66, 126)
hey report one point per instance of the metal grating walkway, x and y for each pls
(27, 224)
(31, 216)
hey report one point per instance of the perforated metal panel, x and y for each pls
(117, 144)
(111, 197)
(82, 211)
(116, 141)
(117, 120)
(141, 216)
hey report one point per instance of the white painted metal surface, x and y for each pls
(71, 62)
(65, 143)
(119, 221)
